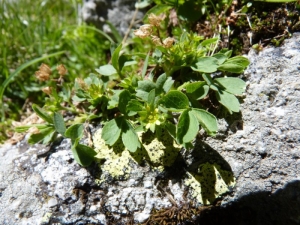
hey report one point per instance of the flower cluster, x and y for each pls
(147, 30)
(44, 73)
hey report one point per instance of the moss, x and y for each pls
(209, 183)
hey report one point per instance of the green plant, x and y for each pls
(36, 30)
(170, 92)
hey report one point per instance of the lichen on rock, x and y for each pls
(116, 161)
(209, 183)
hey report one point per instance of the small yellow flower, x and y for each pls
(144, 31)
(168, 42)
(44, 72)
(47, 90)
(61, 70)
(156, 20)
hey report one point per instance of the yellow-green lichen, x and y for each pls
(209, 183)
(162, 151)
(115, 160)
(46, 218)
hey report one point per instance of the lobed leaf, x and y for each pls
(135, 106)
(83, 154)
(160, 83)
(59, 123)
(187, 127)
(111, 131)
(129, 137)
(124, 98)
(75, 131)
(232, 85)
(175, 101)
(206, 65)
(151, 98)
(207, 120)
(107, 70)
(229, 101)
(236, 64)
(197, 90)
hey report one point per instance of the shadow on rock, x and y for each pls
(262, 208)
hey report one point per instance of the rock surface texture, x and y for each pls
(118, 12)
(260, 146)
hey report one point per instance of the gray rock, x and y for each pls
(261, 146)
(118, 12)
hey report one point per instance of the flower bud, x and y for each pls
(61, 70)
(47, 90)
(144, 31)
(44, 72)
(168, 42)
(156, 20)
(156, 40)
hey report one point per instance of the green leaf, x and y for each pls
(35, 138)
(111, 131)
(235, 65)
(135, 106)
(206, 65)
(115, 57)
(220, 57)
(168, 84)
(143, 4)
(145, 66)
(129, 137)
(41, 113)
(160, 83)
(151, 98)
(126, 60)
(187, 127)
(207, 120)
(228, 100)
(25, 128)
(197, 90)
(144, 87)
(232, 85)
(49, 137)
(209, 42)
(124, 98)
(59, 123)
(175, 101)
(83, 154)
(208, 79)
(13, 75)
(171, 128)
(188, 11)
(75, 131)
(107, 70)
(113, 102)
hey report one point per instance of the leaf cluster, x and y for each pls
(167, 89)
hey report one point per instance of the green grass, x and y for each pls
(34, 29)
